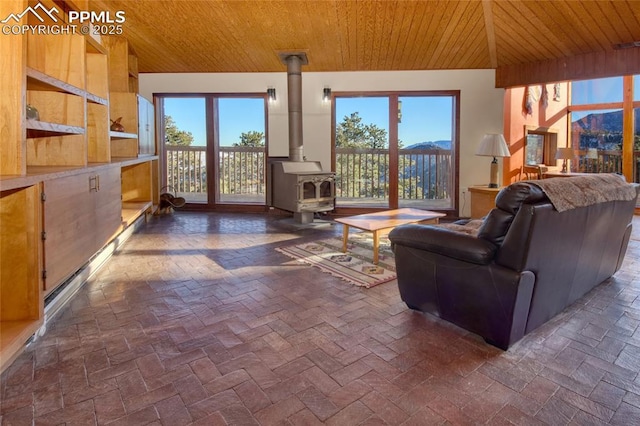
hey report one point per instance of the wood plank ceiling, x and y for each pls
(362, 35)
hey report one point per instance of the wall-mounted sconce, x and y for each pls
(326, 94)
(271, 94)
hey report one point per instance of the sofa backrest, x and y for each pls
(569, 252)
(508, 202)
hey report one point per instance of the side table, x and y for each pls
(483, 199)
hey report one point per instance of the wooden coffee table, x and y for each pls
(383, 222)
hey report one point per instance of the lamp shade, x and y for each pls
(493, 145)
(564, 154)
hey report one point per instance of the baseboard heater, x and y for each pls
(58, 299)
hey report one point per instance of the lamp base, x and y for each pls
(493, 182)
(564, 167)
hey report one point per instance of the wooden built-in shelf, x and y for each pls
(39, 129)
(132, 210)
(93, 46)
(21, 305)
(130, 161)
(133, 66)
(96, 99)
(36, 174)
(13, 336)
(66, 175)
(37, 80)
(122, 135)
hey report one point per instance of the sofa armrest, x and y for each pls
(445, 242)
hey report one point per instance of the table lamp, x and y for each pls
(564, 154)
(493, 145)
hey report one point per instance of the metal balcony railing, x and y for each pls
(241, 170)
(423, 174)
(607, 161)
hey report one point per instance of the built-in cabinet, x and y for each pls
(146, 127)
(21, 300)
(68, 183)
(70, 233)
(136, 115)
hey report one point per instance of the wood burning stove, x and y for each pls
(300, 186)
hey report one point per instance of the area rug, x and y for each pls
(355, 266)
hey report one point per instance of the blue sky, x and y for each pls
(236, 116)
(423, 118)
(599, 91)
(189, 115)
(602, 90)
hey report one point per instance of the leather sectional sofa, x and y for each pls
(524, 263)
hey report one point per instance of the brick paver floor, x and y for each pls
(198, 320)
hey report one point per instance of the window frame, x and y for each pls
(393, 143)
(549, 148)
(627, 106)
(212, 147)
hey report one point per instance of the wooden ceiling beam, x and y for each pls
(491, 34)
(581, 67)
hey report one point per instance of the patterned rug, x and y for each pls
(354, 266)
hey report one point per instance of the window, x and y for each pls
(214, 147)
(541, 144)
(534, 149)
(185, 147)
(396, 149)
(596, 122)
(598, 125)
(596, 137)
(362, 151)
(241, 144)
(425, 147)
(597, 91)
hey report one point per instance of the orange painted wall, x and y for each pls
(515, 120)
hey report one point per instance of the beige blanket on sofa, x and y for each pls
(579, 191)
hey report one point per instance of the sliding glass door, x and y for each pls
(185, 147)
(425, 147)
(396, 150)
(362, 151)
(214, 148)
(241, 150)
